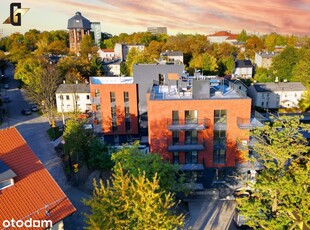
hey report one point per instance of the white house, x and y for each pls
(264, 59)
(122, 50)
(73, 96)
(243, 69)
(172, 56)
(222, 36)
(112, 68)
(106, 54)
(273, 95)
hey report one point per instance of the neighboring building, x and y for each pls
(27, 190)
(175, 57)
(78, 27)
(145, 74)
(264, 59)
(222, 36)
(73, 97)
(96, 28)
(122, 50)
(157, 30)
(115, 100)
(243, 69)
(273, 95)
(106, 54)
(112, 68)
(194, 123)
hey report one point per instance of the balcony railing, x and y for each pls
(188, 124)
(186, 146)
(249, 123)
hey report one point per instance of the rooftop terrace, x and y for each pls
(111, 80)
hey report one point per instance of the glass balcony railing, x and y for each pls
(188, 124)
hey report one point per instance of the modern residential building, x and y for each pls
(73, 97)
(28, 192)
(175, 57)
(264, 59)
(157, 30)
(145, 74)
(222, 36)
(243, 69)
(197, 125)
(275, 95)
(78, 27)
(96, 29)
(121, 50)
(115, 100)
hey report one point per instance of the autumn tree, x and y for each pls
(304, 103)
(3, 62)
(301, 71)
(281, 194)
(263, 75)
(87, 46)
(205, 62)
(242, 37)
(132, 202)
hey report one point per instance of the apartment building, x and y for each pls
(115, 102)
(197, 125)
(264, 59)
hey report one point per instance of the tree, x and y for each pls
(301, 71)
(3, 62)
(263, 75)
(132, 202)
(87, 45)
(133, 161)
(96, 66)
(205, 62)
(280, 198)
(99, 155)
(58, 47)
(123, 69)
(242, 36)
(304, 103)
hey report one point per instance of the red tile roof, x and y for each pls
(223, 33)
(34, 189)
(108, 50)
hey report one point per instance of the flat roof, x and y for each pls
(111, 80)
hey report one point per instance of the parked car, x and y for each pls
(34, 108)
(26, 111)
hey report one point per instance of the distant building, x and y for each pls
(78, 27)
(96, 28)
(157, 30)
(146, 74)
(273, 95)
(115, 100)
(28, 193)
(121, 50)
(175, 57)
(112, 67)
(106, 54)
(222, 36)
(73, 97)
(264, 59)
(243, 69)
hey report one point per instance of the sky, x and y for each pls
(179, 16)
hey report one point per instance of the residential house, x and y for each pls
(122, 50)
(264, 59)
(27, 191)
(145, 74)
(112, 67)
(106, 54)
(175, 57)
(222, 36)
(115, 102)
(275, 95)
(73, 97)
(243, 69)
(194, 123)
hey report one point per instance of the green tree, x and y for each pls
(270, 41)
(263, 75)
(301, 71)
(205, 62)
(96, 66)
(242, 36)
(280, 198)
(87, 45)
(99, 155)
(58, 47)
(304, 103)
(133, 161)
(26, 68)
(132, 202)
(3, 62)
(123, 69)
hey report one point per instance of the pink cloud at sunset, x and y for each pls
(179, 16)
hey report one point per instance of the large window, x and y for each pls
(220, 116)
(127, 114)
(175, 158)
(175, 137)
(191, 116)
(175, 117)
(219, 156)
(126, 96)
(97, 93)
(220, 137)
(191, 137)
(112, 97)
(191, 157)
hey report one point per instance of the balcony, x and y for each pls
(249, 123)
(186, 146)
(188, 124)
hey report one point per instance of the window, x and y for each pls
(219, 156)
(175, 117)
(113, 112)
(175, 138)
(176, 158)
(87, 97)
(191, 116)
(6, 183)
(114, 125)
(220, 116)
(191, 137)
(127, 123)
(97, 93)
(126, 96)
(191, 157)
(127, 114)
(112, 97)
(219, 138)
(67, 97)
(263, 104)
